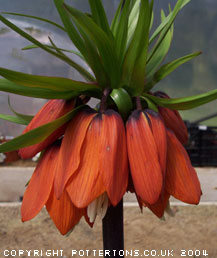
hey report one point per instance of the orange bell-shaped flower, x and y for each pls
(144, 158)
(40, 192)
(173, 120)
(93, 158)
(51, 111)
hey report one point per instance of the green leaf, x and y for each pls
(8, 86)
(160, 53)
(70, 28)
(151, 105)
(26, 118)
(37, 18)
(37, 135)
(13, 119)
(166, 69)
(133, 19)
(123, 101)
(104, 44)
(135, 61)
(122, 30)
(184, 103)
(95, 61)
(165, 23)
(99, 16)
(115, 20)
(61, 49)
(79, 68)
(88, 52)
(166, 28)
(52, 83)
(87, 49)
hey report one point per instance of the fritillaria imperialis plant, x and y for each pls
(132, 141)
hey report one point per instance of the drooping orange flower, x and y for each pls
(40, 192)
(160, 166)
(83, 176)
(181, 178)
(90, 169)
(97, 164)
(51, 111)
(144, 158)
(173, 120)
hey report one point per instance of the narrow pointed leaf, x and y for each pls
(167, 69)
(70, 28)
(133, 19)
(37, 135)
(151, 105)
(168, 25)
(99, 16)
(62, 49)
(94, 60)
(115, 20)
(21, 32)
(164, 23)
(122, 30)
(8, 86)
(104, 44)
(13, 119)
(36, 18)
(135, 59)
(53, 83)
(82, 44)
(185, 103)
(78, 67)
(25, 118)
(160, 54)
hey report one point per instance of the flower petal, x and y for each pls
(173, 121)
(51, 111)
(160, 137)
(143, 156)
(86, 184)
(181, 178)
(159, 207)
(41, 183)
(70, 151)
(63, 213)
(113, 156)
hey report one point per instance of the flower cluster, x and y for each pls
(90, 162)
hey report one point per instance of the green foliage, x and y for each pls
(123, 57)
(122, 101)
(37, 135)
(184, 103)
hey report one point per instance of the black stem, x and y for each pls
(105, 95)
(138, 103)
(113, 232)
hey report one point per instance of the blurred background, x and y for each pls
(195, 30)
